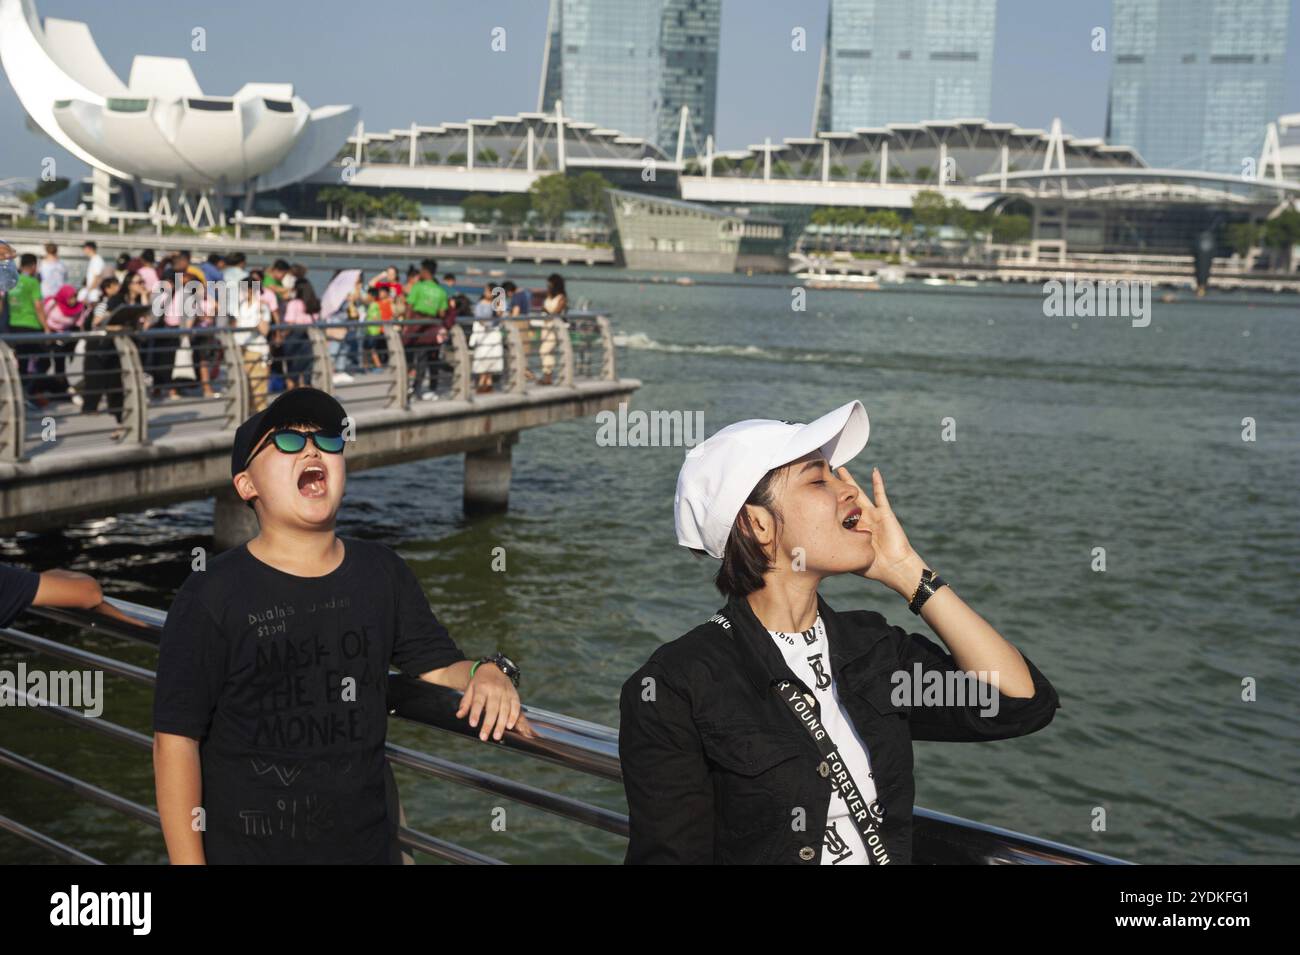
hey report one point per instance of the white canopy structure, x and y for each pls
(159, 129)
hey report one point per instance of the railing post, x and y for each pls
(608, 370)
(322, 369)
(515, 359)
(459, 363)
(135, 396)
(13, 413)
(397, 362)
(566, 351)
(239, 392)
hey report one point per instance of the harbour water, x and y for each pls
(1071, 435)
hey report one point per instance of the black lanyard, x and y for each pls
(866, 817)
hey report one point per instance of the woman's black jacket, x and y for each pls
(717, 769)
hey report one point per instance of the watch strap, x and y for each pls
(930, 582)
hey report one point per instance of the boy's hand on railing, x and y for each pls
(492, 704)
(108, 610)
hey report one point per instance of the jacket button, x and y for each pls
(824, 769)
(806, 853)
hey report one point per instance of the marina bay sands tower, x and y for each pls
(631, 65)
(889, 62)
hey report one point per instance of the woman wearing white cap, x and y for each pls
(780, 730)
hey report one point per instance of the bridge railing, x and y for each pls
(576, 744)
(76, 390)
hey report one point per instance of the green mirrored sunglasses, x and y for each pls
(291, 442)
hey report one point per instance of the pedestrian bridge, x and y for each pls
(61, 461)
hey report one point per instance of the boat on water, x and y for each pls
(576, 744)
(861, 281)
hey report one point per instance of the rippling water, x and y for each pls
(1069, 437)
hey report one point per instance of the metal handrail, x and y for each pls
(240, 395)
(577, 744)
(213, 327)
(63, 851)
(415, 702)
(411, 838)
(561, 739)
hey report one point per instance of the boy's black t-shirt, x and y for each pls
(255, 663)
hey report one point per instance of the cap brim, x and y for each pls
(840, 435)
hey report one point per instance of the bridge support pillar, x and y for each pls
(487, 476)
(233, 521)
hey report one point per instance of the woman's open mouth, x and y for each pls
(311, 482)
(850, 523)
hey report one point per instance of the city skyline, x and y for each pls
(1043, 65)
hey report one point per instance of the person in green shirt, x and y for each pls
(27, 315)
(274, 278)
(426, 302)
(426, 297)
(25, 309)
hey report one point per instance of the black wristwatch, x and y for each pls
(504, 663)
(930, 582)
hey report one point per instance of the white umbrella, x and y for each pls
(336, 294)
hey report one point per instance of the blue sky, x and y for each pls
(430, 61)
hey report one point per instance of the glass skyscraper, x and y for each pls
(631, 65)
(1195, 82)
(887, 61)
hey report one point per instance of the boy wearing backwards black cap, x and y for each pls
(270, 710)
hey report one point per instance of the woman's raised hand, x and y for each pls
(897, 565)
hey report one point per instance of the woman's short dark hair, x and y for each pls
(744, 562)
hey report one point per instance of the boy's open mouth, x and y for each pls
(311, 482)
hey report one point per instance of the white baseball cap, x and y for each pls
(719, 474)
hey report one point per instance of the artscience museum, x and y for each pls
(158, 136)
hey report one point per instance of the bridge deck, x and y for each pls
(60, 463)
(187, 458)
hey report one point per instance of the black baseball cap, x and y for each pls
(299, 405)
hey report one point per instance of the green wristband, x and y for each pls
(473, 668)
